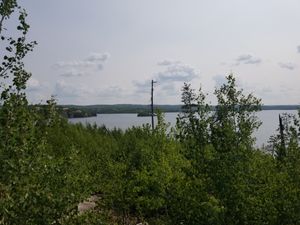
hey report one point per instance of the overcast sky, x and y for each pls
(107, 51)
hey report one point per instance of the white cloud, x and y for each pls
(288, 66)
(64, 89)
(98, 57)
(91, 64)
(298, 49)
(72, 73)
(167, 62)
(74, 64)
(33, 85)
(74, 93)
(247, 59)
(36, 91)
(220, 80)
(169, 80)
(142, 87)
(170, 90)
(177, 72)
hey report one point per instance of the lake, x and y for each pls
(269, 120)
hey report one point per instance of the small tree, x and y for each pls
(234, 119)
(286, 142)
(15, 128)
(14, 116)
(31, 182)
(193, 123)
(218, 142)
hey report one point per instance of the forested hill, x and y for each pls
(92, 110)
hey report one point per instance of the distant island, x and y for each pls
(79, 111)
(145, 114)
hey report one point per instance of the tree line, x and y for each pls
(78, 111)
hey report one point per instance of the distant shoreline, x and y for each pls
(80, 111)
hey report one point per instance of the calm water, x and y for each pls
(123, 121)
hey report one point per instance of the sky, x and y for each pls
(108, 51)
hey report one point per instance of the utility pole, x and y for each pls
(282, 152)
(152, 109)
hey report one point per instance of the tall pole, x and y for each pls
(152, 109)
(282, 152)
